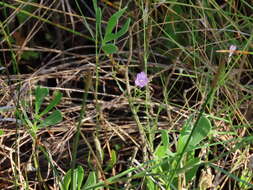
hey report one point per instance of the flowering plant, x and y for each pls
(141, 79)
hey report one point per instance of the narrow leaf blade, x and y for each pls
(111, 36)
(113, 21)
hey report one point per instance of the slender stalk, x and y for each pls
(77, 135)
(98, 34)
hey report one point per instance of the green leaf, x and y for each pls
(95, 5)
(172, 25)
(21, 16)
(52, 119)
(165, 138)
(98, 20)
(1, 132)
(40, 94)
(201, 131)
(109, 48)
(184, 134)
(246, 176)
(121, 32)
(191, 173)
(25, 119)
(150, 184)
(159, 152)
(78, 178)
(113, 21)
(64, 185)
(91, 180)
(29, 55)
(53, 103)
(112, 160)
(162, 150)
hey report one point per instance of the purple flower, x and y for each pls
(141, 79)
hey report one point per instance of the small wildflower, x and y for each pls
(141, 79)
(232, 49)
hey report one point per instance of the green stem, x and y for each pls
(77, 135)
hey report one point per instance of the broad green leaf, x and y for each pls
(53, 103)
(113, 21)
(91, 180)
(64, 185)
(163, 149)
(1, 132)
(78, 178)
(201, 131)
(52, 119)
(110, 48)
(121, 32)
(40, 94)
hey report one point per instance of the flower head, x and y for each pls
(141, 79)
(232, 49)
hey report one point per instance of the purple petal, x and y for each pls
(141, 79)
